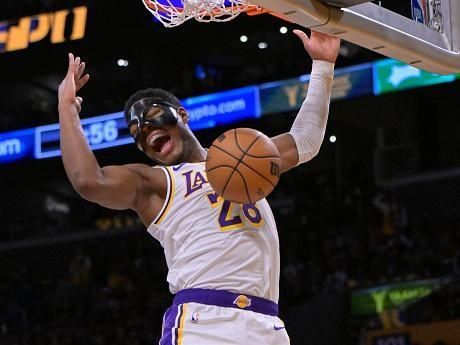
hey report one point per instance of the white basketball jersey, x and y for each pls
(211, 243)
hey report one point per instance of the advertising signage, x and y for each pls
(288, 95)
(110, 130)
(16, 145)
(18, 34)
(222, 108)
(375, 300)
(438, 332)
(391, 75)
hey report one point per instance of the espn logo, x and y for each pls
(18, 34)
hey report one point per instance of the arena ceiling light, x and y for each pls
(122, 62)
(263, 45)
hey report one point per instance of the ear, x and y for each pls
(184, 115)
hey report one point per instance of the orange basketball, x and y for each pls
(243, 165)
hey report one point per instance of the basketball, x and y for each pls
(243, 165)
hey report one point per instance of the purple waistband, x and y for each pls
(227, 299)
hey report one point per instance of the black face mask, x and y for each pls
(138, 114)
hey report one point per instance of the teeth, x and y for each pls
(154, 137)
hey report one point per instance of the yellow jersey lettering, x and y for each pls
(228, 219)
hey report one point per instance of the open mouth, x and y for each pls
(159, 142)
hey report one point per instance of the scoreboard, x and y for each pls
(110, 130)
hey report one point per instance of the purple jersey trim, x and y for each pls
(168, 325)
(225, 299)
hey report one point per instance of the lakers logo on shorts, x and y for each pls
(242, 301)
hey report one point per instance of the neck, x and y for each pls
(193, 151)
(197, 155)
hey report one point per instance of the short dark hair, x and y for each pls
(150, 93)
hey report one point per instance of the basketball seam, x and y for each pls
(247, 152)
(254, 156)
(239, 160)
(238, 144)
(234, 168)
(248, 166)
(245, 187)
(220, 166)
(225, 166)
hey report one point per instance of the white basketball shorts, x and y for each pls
(212, 317)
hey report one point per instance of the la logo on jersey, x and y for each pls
(194, 181)
(242, 301)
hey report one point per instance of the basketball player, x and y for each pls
(223, 258)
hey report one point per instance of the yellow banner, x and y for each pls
(447, 332)
(19, 34)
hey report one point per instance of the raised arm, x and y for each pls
(116, 187)
(304, 140)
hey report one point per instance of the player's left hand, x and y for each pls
(320, 46)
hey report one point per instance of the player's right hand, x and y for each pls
(320, 46)
(72, 83)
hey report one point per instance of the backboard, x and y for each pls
(433, 46)
(429, 41)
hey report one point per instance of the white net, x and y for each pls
(175, 12)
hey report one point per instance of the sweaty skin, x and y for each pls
(138, 186)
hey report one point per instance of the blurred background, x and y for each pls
(369, 230)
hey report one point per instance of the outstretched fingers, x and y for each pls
(68, 79)
(82, 81)
(303, 36)
(71, 64)
(74, 80)
(81, 69)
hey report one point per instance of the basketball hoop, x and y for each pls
(172, 13)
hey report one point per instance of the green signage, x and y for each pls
(391, 75)
(374, 301)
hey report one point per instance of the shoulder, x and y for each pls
(152, 179)
(142, 169)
